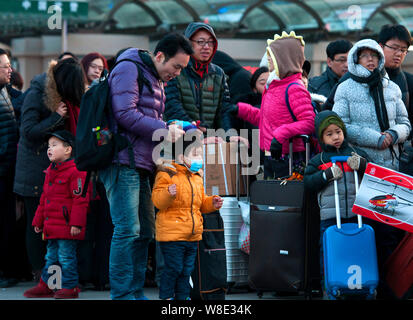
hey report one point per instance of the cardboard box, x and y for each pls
(220, 169)
(386, 196)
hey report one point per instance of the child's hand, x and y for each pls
(356, 161)
(37, 229)
(74, 231)
(217, 202)
(172, 189)
(333, 173)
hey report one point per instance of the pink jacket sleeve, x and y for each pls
(300, 102)
(248, 113)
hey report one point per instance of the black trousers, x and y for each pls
(36, 247)
(13, 257)
(93, 252)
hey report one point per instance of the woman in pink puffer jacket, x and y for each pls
(285, 58)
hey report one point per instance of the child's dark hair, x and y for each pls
(396, 31)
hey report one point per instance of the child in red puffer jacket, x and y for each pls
(61, 216)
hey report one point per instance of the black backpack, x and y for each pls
(96, 145)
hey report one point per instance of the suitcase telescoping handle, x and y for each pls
(306, 140)
(334, 160)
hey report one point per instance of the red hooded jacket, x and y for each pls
(61, 204)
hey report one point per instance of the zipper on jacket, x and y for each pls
(66, 214)
(192, 202)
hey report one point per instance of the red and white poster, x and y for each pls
(387, 196)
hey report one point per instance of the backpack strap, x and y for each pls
(287, 101)
(141, 79)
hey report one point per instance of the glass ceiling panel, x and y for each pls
(294, 16)
(260, 19)
(170, 11)
(130, 15)
(402, 14)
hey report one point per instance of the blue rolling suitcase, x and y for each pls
(350, 259)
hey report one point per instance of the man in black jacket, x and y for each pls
(337, 66)
(8, 149)
(395, 41)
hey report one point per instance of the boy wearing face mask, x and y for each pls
(179, 195)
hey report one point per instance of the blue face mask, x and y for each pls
(196, 164)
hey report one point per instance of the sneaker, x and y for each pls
(67, 293)
(39, 291)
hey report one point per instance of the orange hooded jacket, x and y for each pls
(180, 217)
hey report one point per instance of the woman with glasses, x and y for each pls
(93, 64)
(371, 107)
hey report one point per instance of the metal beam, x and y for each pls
(385, 6)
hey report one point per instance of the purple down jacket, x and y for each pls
(138, 114)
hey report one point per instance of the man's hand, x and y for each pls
(37, 229)
(174, 133)
(240, 139)
(210, 140)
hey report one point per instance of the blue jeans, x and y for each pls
(62, 252)
(132, 212)
(179, 257)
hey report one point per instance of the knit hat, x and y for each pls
(326, 118)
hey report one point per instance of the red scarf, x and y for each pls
(72, 117)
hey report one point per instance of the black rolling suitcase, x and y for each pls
(284, 236)
(209, 278)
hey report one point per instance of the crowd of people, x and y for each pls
(361, 106)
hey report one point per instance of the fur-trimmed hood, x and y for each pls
(172, 168)
(51, 97)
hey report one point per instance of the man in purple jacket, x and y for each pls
(137, 115)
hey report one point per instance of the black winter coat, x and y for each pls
(37, 120)
(8, 133)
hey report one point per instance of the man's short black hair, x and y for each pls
(173, 43)
(338, 47)
(396, 31)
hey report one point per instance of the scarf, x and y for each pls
(200, 67)
(72, 117)
(374, 81)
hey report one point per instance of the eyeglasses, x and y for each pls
(6, 66)
(342, 60)
(94, 66)
(374, 56)
(203, 42)
(397, 49)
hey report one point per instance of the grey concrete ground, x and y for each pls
(16, 293)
